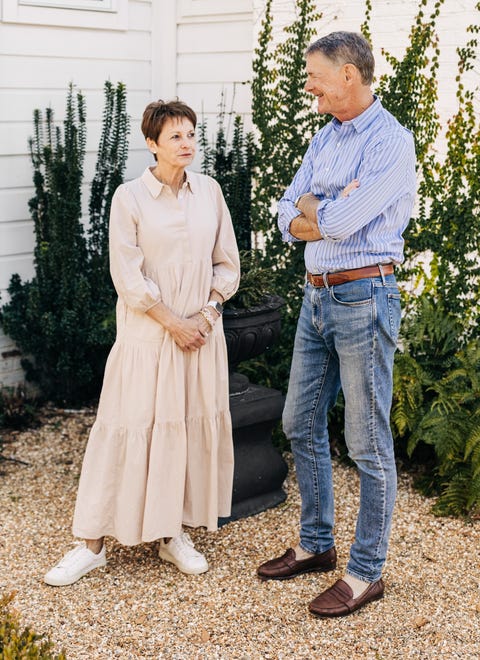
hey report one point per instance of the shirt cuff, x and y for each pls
(321, 225)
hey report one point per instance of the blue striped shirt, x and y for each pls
(366, 227)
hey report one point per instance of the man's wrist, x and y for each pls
(297, 201)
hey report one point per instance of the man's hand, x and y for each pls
(304, 226)
(304, 229)
(348, 189)
(308, 205)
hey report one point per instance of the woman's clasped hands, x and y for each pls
(191, 333)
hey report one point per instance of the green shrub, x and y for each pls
(437, 405)
(62, 319)
(22, 644)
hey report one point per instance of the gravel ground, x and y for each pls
(141, 607)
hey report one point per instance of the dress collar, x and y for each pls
(155, 187)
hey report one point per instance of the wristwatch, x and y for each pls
(216, 306)
(297, 200)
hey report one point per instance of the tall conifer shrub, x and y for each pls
(62, 318)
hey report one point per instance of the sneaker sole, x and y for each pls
(181, 567)
(63, 583)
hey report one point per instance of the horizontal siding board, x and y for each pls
(215, 37)
(14, 205)
(14, 137)
(16, 238)
(71, 43)
(21, 264)
(18, 72)
(16, 171)
(231, 67)
(18, 105)
(14, 201)
(223, 8)
(206, 98)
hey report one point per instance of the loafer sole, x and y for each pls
(329, 615)
(264, 578)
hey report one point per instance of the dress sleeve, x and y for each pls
(225, 258)
(126, 258)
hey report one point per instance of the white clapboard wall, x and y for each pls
(197, 50)
(158, 48)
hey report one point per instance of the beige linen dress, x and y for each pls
(160, 452)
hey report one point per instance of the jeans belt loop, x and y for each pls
(325, 280)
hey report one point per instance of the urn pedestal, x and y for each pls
(260, 469)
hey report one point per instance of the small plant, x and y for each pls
(255, 282)
(17, 409)
(17, 643)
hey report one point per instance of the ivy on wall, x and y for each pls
(441, 324)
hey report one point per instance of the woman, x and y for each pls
(160, 452)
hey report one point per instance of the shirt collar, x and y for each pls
(365, 119)
(155, 187)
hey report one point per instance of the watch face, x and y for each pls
(217, 306)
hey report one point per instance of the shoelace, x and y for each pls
(64, 561)
(185, 545)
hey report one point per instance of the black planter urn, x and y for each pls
(260, 469)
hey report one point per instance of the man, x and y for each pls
(350, 200)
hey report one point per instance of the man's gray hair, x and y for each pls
(347, 47)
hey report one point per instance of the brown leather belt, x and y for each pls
(331, 279)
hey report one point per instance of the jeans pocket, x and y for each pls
(394, 314)
(353, 294)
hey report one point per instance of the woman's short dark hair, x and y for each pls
(347, 47)
(156, 114)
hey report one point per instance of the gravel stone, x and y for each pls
(140, 607)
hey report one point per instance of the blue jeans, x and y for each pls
(346, 338)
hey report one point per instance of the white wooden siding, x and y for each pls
(390, 25)
(159, 49)
(196, 49)
(41, 52)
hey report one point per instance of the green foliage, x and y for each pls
(448, 226)
(22, 644)
(231, 164)
(109, 173)
(437, 404)
(255, 282)
(410, 91)
(442, 242)
(17, 409)
(285, 121)
(61, 319)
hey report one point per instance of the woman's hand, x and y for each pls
(348, 189)
(187, 334)
(202, 324)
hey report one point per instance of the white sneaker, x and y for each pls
(74, 565)
(181, 552)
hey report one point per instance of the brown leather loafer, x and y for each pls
(287, 566)
(338, 599)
